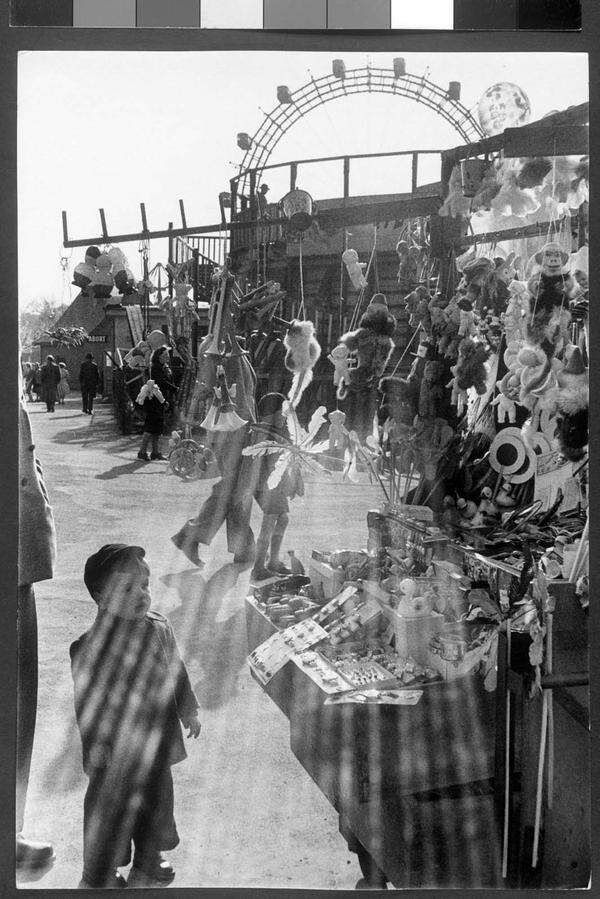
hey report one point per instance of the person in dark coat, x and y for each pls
(152, 401)
(132, 694)
(89, 379)
(37, 555)
(50, 379)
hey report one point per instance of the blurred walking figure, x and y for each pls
(89, 378)
(37, 554)
(50, 378)
(63, 386)
(132, 696)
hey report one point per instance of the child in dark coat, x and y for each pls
(151, 399)
(131, 693)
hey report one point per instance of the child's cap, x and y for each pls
(110, 557)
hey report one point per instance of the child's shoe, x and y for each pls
(279, 568)
(259, 573)
(157, 456)
(113, 882)
(150, 871)
(143, 456)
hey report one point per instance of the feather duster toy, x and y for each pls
(303, 352)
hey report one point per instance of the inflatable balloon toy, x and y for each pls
(102, 282)
(501, 106)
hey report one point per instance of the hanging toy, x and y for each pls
(517, 312)
(549, 287)
(459, 396)
(222, 415)
(339, 359)
(83, 275)
(467, 319)
(355, 269)
(508, 396)
(337, 431)
(407, 269)
(572, 404)
(303, 352)
(102, 282)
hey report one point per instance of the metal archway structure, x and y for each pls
(319, 91)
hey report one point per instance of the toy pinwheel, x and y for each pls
(298, 451)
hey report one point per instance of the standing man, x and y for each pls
(50, 382)
(37, 553)
(89, 378)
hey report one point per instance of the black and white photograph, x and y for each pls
(303, 580)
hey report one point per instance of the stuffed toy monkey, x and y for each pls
(355, 269)
(303, 352)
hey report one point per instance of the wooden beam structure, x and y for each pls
(508, 234)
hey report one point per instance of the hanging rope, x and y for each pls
(405, 351)
(301, 308)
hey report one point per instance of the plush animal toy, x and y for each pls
(303, 352)
(455, 203)
(508, 395)
(512, 199)
(399, 402)
(450, 339)
(407, 270)
(339, 359)
(470, 368)
(417, 306)
(431, 394)
(533, 171)
(517, 312)
(466, 327)
(572, 404)
(537, 375)
(337, 431)
(550, 318)
(437, 307)
(475, 279)
(355, 269)
(102, 282)
(371, 343)
(459, 396)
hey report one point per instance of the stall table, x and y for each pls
(412, 785)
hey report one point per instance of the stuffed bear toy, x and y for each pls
(355, 269)
(470, 367)
(371, 343)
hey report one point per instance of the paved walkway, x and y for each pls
(247, 812)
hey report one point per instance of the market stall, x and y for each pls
(433, 676)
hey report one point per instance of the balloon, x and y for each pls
(118, 259)
(503, 106)
(91, 254)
